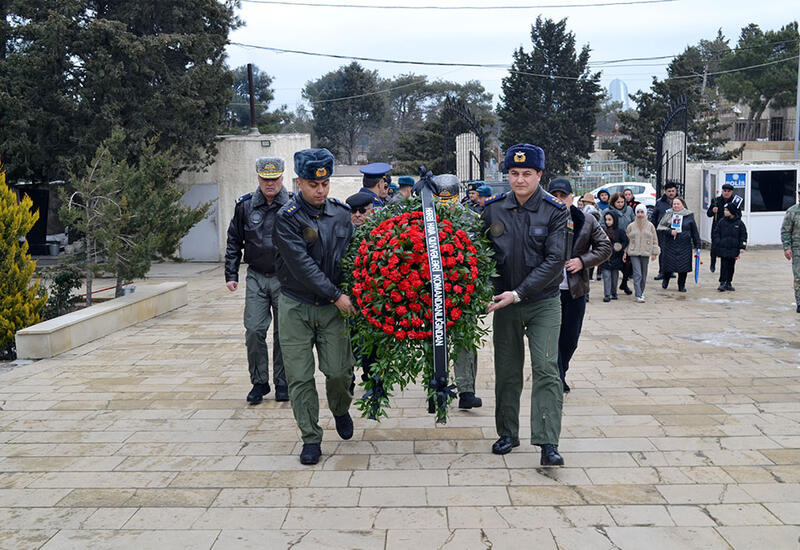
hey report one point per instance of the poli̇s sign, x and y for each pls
(738, 180)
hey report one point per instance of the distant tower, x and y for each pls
(618, 91)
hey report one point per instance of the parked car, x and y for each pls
(643, 192)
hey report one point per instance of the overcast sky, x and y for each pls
(612, 32)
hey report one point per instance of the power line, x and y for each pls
(453, 8)
(735, 70)
(372, 59)
(480, 65)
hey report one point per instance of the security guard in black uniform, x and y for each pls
(251, 229)
(531, 232)
(312, 234)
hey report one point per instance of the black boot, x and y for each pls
(310, 453)
(257, 394)
(281, 393)
(550, 456)
(681, 289)
(344, 426)
(729, 286)
(658, 277)
(504, 445)
(467, 400)
(665, 283)
(798, 308)
(722, 287)
(624, 287)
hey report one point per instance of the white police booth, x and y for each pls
(768, 190)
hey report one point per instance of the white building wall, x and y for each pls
(233, 170)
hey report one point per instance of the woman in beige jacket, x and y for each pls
(642, 247)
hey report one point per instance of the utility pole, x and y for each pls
(251, 89)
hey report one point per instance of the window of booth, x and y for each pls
(772, 190)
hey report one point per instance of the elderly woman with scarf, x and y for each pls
(681, 238)
(642, 247)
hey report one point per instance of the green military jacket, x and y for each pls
(790, 230)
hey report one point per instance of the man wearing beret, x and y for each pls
(375, 182)
(531, 233)
(405, 185)
(251, 229)
(360, 208)
(311, 234)
(484, 192)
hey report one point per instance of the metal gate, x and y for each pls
(671, 148)
(456, 118)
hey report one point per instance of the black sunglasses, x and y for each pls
(360, 210)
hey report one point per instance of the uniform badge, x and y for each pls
(256, 217)
(497, 229)
(321, 172)
(519, 156)
(310, 234)
(570, 225)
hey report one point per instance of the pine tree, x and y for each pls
(551, 98)
(19, 304)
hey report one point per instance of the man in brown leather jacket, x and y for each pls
(590, 248)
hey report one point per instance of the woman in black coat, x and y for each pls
(612, 266)
(730, 236)
(680, 243)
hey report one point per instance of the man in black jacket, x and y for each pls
(312, 233)
(662, 205)
(531, 233)
(251, 229)
(716, 210)
(590, 247)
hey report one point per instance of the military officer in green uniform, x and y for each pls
(531, 234)
(790, 237)
(251, 229)
(312, 233)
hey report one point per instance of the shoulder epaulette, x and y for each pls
(554, 201)
(291, 208)
(340, 203)
(494, 198)
(243, 198)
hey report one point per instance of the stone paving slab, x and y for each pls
(682, 431)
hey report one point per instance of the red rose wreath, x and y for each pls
(389, 278)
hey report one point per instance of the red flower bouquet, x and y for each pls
(389, 278)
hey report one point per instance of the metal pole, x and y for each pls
(251, 89)
(797, 108)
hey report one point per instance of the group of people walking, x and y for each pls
(546, 245)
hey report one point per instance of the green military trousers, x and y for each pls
(303, 327)
(796, 273)
(465, 368)
(541, 323)
(261, 296)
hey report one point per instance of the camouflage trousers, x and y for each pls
(796, 273)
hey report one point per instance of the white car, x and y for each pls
(643, 192)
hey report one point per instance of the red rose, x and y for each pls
(400, 310)
(455, 314)
(457, 289)
(415, 307)
(470, 289)
(467, 299)
(388, 329)
(400, 335)
(396, 296)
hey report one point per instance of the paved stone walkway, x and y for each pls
(682, 431)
